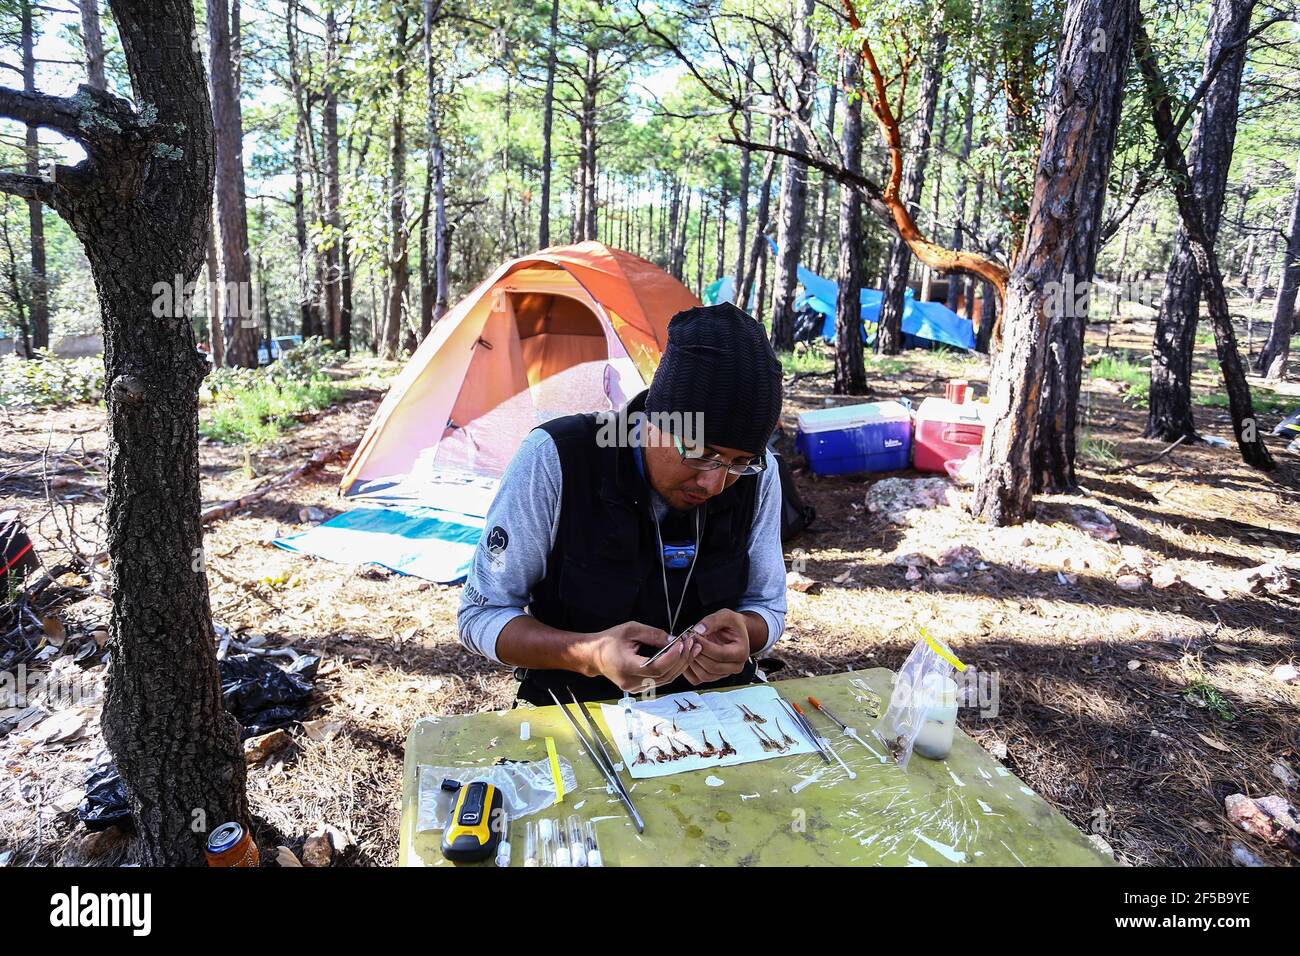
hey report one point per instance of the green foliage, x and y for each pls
(1098, 451)
(1133, 376)
(805, 362)
(1205, 695)
(253, 406)
(1263, 400)
(1118, 368)
(46, 381)
(257, 411)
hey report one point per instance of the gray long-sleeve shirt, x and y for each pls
(527, 510)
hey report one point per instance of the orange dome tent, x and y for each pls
(568, 329)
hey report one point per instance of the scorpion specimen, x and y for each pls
(727, 750)
(785, 738)
(686, 708)
(768, 742)
(752, 717)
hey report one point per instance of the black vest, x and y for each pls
(606, 567)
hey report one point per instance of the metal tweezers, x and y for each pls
(597, 751)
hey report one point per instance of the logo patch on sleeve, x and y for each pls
(497, 541)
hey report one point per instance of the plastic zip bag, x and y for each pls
(921, 683)
(526, 787)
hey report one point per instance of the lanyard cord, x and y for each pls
(699, 543)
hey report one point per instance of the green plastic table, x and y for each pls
(966, 809)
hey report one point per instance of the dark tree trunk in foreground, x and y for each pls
(889, 334)
(1277, 350)
(1250, 438)
(1209, 154)
(794, 183)
(850, 373)
(140, 205)
(238, 321)
(1060, 239)
(1054, 440)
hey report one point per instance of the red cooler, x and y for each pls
(946, 430)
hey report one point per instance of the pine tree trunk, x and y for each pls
(590, 92)
(1060, 239)
(957, 282)
(399, 269)
(889, 335)
(824, 194)
(746, 161)
(745, 286)
(92, 39)
(794, 183)
(850, 372)
(1277, 350)
(140, 208)
(1250, 438)
(339, 331)
(1209, 156)
(238, 322)
(1067, 314)
(38, 285)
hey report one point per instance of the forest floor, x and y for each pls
(1138, 681)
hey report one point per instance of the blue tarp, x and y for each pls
(928, 321)
(426, 542)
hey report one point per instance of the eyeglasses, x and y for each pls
(708, 463)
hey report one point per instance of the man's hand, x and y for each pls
(616, 654)
(724, 640)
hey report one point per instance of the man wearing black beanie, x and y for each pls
(613, 532)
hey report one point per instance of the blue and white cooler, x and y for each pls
(875, 436)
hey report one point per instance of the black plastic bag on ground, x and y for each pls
(105, 799)
(263, 696)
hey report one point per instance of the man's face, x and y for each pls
(682, 486)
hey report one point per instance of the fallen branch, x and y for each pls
(1148, 461)
(312, 464)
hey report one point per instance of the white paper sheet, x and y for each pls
(669, 734)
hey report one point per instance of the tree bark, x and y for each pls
(1209, 155)
(1067, 315)
(590, 92)
(216, 335)
(399, 270)
(140, 207)
(1277, 350)
(823, 196)
(38, 286)
(1060, 239)
(548, 120)
(1250, 438)
(955, 284)
(340, 332)
(794, 181)
(745, 286)
(308, 267)
(889, 334)
(746, 161)
(92, 41)
(850, 371)
(238, 322)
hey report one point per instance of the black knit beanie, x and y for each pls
(719, 364)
